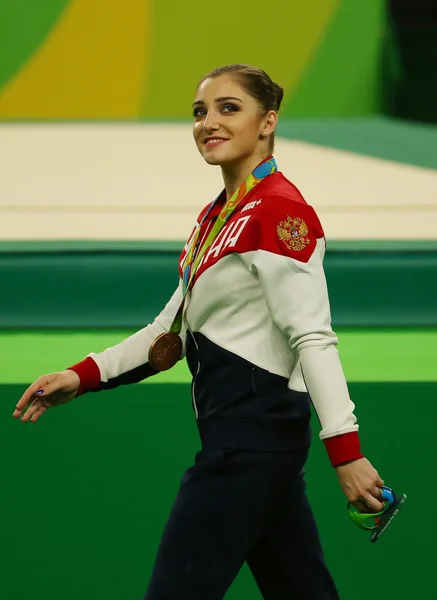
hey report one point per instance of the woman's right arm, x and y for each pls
(126, 362)
(123, 363)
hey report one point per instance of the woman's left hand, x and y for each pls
(361, 484)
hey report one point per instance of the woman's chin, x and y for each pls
(217, 158)
(212, 160)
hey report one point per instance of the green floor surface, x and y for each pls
(366, 355)
(86, 491)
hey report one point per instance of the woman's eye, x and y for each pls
(226, 108)
(229, 108)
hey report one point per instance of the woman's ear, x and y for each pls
(269, 123)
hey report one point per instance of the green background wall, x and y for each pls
(102, 59)
(75, 282)
(86, 492)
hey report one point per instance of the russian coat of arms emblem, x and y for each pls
(293, 231)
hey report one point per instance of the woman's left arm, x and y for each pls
(289, 265)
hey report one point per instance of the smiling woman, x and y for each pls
(251, 315)
(252, 102)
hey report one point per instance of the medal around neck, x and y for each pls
(197, 251)
(165, 351)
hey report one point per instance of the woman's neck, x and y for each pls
(235, 175)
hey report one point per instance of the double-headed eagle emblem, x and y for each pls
(293, 232)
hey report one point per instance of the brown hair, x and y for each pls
(255, 82)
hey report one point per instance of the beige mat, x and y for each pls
(147, 181)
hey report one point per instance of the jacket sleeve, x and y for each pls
(289, 264)
(127, 362)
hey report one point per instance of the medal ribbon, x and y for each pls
(194, 255)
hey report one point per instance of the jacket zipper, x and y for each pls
(197, 372)
(191, 333)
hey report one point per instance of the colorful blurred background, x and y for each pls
(100, 185)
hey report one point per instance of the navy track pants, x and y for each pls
(235, 506)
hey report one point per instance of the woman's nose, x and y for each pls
(210, 122)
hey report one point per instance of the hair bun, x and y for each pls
(279, 91)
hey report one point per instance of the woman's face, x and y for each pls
(227, 121)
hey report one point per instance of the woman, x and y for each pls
(251, 315)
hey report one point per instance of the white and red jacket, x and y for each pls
(257, 332)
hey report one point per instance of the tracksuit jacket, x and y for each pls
(256, 333)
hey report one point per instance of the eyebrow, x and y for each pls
(221, 99)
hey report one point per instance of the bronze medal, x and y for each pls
(165, 351)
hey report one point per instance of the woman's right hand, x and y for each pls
(47, 391)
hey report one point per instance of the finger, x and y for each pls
(38, 413)
(361, 506)
(380, 496)
(379, 482)
(373, 504)
(43, 389)
(29, 396)
(36, 404)
(376, 493)
(26, 399)
(49, 389)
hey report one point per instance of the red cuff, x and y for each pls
(343, 448)
(89, 375)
